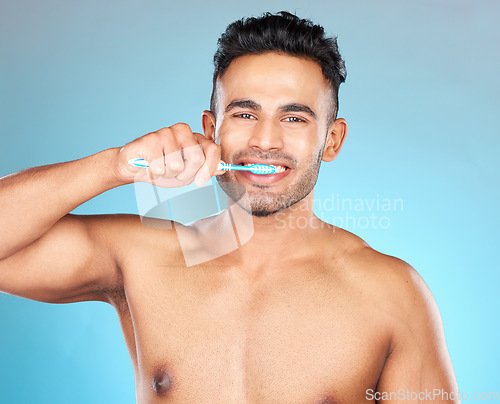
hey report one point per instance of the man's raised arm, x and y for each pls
(49, 255)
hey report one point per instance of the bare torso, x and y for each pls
(316, 331)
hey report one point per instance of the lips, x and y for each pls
(263, 179)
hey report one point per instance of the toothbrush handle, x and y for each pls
(223, 166)
(231, 167)
(138, 162)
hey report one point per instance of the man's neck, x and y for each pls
(288, 233)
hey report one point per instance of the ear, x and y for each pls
(335, 139)
(208, 125)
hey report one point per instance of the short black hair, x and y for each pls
(284, 33)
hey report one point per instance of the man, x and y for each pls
(298, 313)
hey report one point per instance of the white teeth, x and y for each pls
(279, 169)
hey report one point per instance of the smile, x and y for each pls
(279, 169)
(264, 179)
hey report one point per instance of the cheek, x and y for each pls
(306, 146)
(228, 144)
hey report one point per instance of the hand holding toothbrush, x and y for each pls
(260, 169)
(174, 157)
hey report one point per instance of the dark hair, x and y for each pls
(282, 33)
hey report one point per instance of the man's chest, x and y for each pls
(211, 339)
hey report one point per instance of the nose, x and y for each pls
(266, 137)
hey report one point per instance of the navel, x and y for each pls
(162, 382)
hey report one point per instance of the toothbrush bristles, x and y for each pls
(262, 169)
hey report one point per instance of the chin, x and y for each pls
(263, 213)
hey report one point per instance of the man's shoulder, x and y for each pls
(388, 280)
(398, 299)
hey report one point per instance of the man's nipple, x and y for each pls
(162, 382)
(326, 400)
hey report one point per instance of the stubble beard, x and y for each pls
(262, 202)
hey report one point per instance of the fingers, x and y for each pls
(192, 152)
(162, 151)
(171, 150)
(212, 155)
(175, 154)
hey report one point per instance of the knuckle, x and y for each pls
(154, 135)
(214, 149)
(164, 132)
(157, 171)
(197, 158)
(174, 166)
(146, 136)
(152, 139)
(181, 126)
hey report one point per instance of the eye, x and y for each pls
(293, 119)
(244, 116)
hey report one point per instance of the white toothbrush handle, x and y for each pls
(138, 162)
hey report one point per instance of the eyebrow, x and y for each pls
(243, 104)
(294, 107)
(297, 108)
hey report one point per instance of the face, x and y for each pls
(273, 109)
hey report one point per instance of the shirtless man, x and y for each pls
(298, 314)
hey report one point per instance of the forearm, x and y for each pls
(33, 200)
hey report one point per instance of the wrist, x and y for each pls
(108, 161)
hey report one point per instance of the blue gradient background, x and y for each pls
(420, 99)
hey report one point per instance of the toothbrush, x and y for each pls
(260, 169)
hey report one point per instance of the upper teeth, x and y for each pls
(279, 169)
